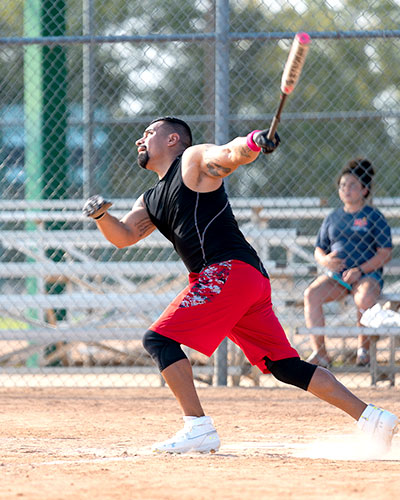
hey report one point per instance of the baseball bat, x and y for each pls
(291, 74)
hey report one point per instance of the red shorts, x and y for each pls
(229, 299)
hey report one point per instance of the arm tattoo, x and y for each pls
(217, 170)
(244, 151)
(143, 225)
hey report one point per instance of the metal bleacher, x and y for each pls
(117, 298)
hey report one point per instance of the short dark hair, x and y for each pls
(362, 169)
(179, 126)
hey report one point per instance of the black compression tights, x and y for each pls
(163, 350)
(292, 371)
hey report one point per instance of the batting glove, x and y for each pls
(96, 207)
(267, 146)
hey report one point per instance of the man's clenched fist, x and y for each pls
(267, 146)
(96, 206)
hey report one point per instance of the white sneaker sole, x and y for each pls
(209, 444)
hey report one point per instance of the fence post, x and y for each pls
(221, 136)
(33, 104)
(45, 118)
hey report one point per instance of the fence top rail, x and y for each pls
(192, 37)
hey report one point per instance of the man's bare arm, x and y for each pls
(205, 165)
(221, 161)
(133, 227)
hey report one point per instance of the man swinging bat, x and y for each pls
(229, 293)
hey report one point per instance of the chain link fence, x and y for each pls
(81, 79)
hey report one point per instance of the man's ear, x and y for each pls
(173, 139)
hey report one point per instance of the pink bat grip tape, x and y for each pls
(251, 144)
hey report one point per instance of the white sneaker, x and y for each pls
(198, 434)
(380, 424)
(362, 357)
(317, 359)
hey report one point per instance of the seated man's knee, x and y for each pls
(313, 296)
(366, 297)
(291, 371)
(164, 351)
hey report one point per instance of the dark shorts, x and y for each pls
(229, 299)
(376, 276)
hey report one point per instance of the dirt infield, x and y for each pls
(276, 443)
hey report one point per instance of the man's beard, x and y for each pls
(142, 159)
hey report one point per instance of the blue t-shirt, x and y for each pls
(356, 237)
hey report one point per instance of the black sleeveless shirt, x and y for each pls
(201, 226)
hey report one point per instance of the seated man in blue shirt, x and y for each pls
(353, 244)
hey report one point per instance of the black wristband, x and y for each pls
(100, 216)
(361, 271)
